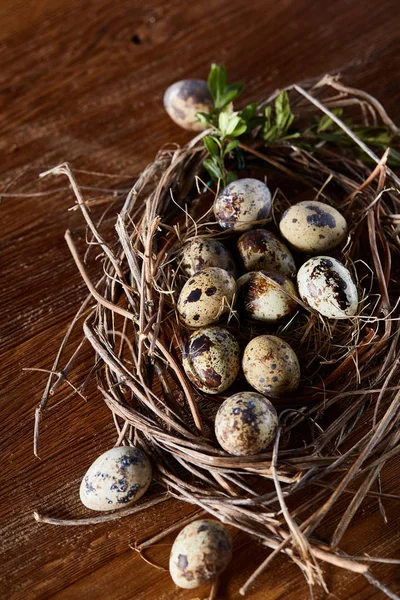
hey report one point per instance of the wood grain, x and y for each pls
(83, 82)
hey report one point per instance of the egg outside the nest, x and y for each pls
(271, 366)
(117, 478)
(200, 552)
(326, 286)
(211, 359)
(242, 203)
(313, 227)
(266, 296)
(246, 424)
(184, 99)
(206, 296)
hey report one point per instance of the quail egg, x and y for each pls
(206, 296)
(184, 99)
(116, 479)
(242, 204)
(271, 366)
(206, 252)
(264, 296)
(246, 423)
(313, 226)
(262, 250)
(211, 359)
(200, 552)
(326, 285)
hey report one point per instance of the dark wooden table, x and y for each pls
(83, 82)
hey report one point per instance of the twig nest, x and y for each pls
(242, 204)
(116, 479)
(211, 359)
(271, 366)
(246, 424)
(326, 285)
(313, 227)
(200, 552)
(260, 250)
(206, 296)
(202, 253)
(184, 99)
(266, 296)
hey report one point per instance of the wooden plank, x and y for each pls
(83, 82)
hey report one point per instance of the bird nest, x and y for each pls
(341, 428)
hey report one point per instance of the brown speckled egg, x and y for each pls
(246, 424)
(201, 551)
(201, 253)
(262, 250)
(271, 366)
(326, 285)
(211, 359)
(206, 296)
(116, 479)
(263, 296)
(183, 99)
(242, 204)
(313, 226)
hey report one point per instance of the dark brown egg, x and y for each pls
(184, 99)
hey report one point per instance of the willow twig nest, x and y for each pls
(338, 432)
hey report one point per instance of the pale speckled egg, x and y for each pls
(183, 99)
(200, 552)
(202, 253)
(261, 250)
(313, 226)
(242, 204)
(326, 285)
(246, 424)
(211, 359)
(116, 479)
(271, 366)
(206, 296)
(263, 296)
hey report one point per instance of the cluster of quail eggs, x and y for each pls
(270, 290)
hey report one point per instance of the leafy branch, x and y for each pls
(276, 123)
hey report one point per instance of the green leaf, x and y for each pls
(223, 123)
(271, 133)
(394, 158)
(204, 118)
(239, 130)
(249, 112)
(214, 80)
(213, 169)
(211, 145)
(231, 146)
(231, 176)
(326, 120)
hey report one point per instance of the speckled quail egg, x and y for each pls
(211, 359)
(313, 226)
(183, 99)
(206, 296)
(246, 423)
(326, 285)
(201, 253)
(242, 204)
(271, 366)
(262, 250)
(201, 551)
(263, 296)
(116, 479)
